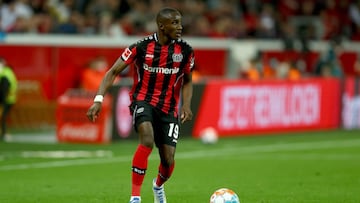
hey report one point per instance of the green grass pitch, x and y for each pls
(309, 167)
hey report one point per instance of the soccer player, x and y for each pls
(163, 63)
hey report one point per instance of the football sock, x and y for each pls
(164, 174)
(139, 166)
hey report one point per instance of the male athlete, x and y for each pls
(163, 64)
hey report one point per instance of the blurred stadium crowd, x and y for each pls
(241, 19)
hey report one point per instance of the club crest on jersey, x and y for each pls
(177, 57)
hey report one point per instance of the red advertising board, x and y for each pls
(72, 124)
(239, 107)
(59, 68)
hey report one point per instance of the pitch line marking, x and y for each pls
(66, 154)
(193, 154)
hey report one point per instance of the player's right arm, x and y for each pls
(110, 76)
(128, 56)
(106, 83)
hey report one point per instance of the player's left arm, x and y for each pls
(187, 91)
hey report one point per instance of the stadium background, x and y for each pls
(280, 46)
(245, 51)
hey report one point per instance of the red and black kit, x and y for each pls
(159, 71)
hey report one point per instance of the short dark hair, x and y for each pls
(163, 13)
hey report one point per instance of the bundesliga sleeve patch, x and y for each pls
(126, 54)
(192, 62)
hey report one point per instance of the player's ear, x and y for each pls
(161, 26)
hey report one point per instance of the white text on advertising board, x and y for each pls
(265, 107)
(79, 132)
(351, 111)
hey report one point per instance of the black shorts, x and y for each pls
(166, 126)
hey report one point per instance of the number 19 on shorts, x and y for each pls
(173, 131)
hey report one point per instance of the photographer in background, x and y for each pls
(8, 88)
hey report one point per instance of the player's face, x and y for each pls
(172, 26)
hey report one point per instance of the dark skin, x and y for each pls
(169, 28)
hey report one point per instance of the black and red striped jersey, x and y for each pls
(159, 71)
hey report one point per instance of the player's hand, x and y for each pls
(94, 111)
(186, 113)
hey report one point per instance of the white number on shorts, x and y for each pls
(174, 130)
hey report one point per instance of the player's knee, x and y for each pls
(147, 140)
(146, 135)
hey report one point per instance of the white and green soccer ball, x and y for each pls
(224, 195)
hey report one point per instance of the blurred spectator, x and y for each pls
(354, 15)
(357, 66)
(267, 22)
(196, 20)
(331, 19)
(14, 12)
(255, 70)
(105, 24)
(90, 26)
(91, 77)
(8, 85)
(251, 20)
(200, 27)
(139, 15)
(269, 69)
(326, 70)
(43, 24)
(269, 19)
(251, 71)
(21, 25)
(282, 70)
(74, 25)
(221, 27)
(328, 64)
(354, 12)
(288, 36)
(61, 9)
(288, 8)
(294, 73)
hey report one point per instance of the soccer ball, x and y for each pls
(209, 135)
(224, 195)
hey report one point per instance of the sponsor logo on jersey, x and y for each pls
(149, 55)
(161, 69)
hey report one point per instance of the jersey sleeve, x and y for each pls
(129, 54)
(190, 62)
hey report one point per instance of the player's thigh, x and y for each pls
(146, 133)
(167, 130)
